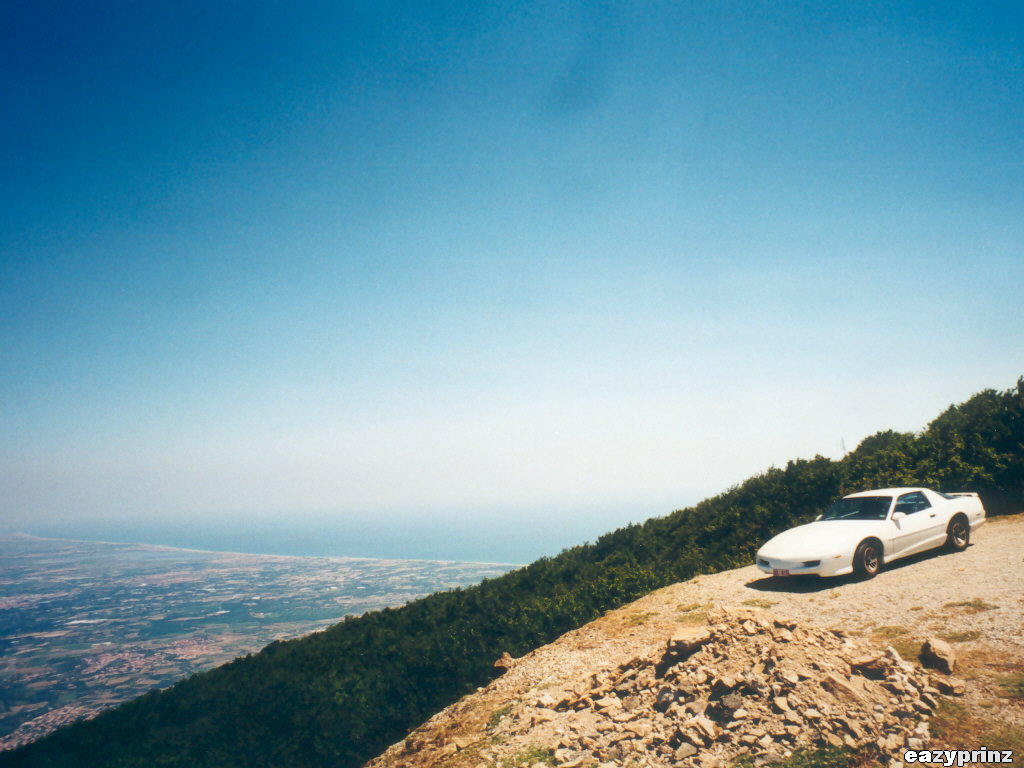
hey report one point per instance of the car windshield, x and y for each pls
(859, 508)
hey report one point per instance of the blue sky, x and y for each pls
(310, 260)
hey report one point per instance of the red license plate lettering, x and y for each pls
(780, 572)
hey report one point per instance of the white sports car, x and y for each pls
(861, 531)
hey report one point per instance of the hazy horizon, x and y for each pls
(378, 264)
(509, 536)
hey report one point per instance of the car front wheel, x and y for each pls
(867, 560)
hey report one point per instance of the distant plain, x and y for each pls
(85, 625)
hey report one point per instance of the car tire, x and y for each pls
(958, 535)
(867, 560)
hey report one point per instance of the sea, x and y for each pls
(509, 536)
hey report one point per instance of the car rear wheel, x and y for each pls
(958, 536)
(867, 560)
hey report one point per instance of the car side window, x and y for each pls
(909, 503)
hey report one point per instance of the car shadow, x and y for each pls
(808, 584)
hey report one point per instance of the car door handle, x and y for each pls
(932, 515)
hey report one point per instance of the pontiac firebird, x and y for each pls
(860, 532)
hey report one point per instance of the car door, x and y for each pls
(938, 510)
(916, 530)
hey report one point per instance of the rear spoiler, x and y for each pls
(969, 495)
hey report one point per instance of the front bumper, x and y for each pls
(834, 565)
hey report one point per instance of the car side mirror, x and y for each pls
(817, 518)
(898, 515)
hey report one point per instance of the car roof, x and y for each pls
(884, 492)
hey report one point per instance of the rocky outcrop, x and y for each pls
(748, 684)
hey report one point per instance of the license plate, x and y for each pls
(780, 571)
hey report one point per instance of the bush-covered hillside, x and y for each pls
(339, 697)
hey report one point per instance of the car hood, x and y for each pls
(822, 537)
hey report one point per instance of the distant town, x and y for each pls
(87, 625)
